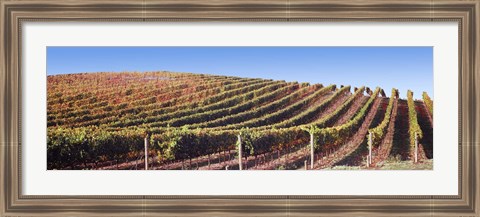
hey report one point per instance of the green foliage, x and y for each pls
(380, 130)
(340, 134)
(215, 98)
(256, 142)
(240, 103)
(280, 115)
(171, 100)
(311, 129)
(428, 102)
(183, 143)
(414, 127)
(329, 119)
(312, 111)
(188, 116)
(304, 84)
(67, 147)
(259, 111)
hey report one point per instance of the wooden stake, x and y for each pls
(208, 161)
(416, 148)
(239, 152)
(146, 153)
(369, 159)
(305, 162)
(312, 156)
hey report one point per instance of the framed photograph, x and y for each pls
(218, 108)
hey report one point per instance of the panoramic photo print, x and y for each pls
(239, 108)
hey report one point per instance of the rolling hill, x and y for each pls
(196, 121)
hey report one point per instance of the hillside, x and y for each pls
(193, 121)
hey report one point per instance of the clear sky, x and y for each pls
(400, 67)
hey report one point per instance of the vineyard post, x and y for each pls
(311, 151)
(239, 152)
(369, 159)
(146, 153)
(416, 148)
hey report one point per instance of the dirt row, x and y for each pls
(297, 156)
(381, 153)
(352, 144)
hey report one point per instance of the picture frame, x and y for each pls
(14, 13)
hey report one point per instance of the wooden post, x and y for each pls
(416, 148)
(305, 162)
(209, 161)
(239, 152)
(312, 156)
(146, 153)
(369, 158)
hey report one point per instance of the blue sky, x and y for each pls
(400, 67)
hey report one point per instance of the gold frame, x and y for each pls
(14, 12)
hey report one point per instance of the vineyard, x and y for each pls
(185, 121)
